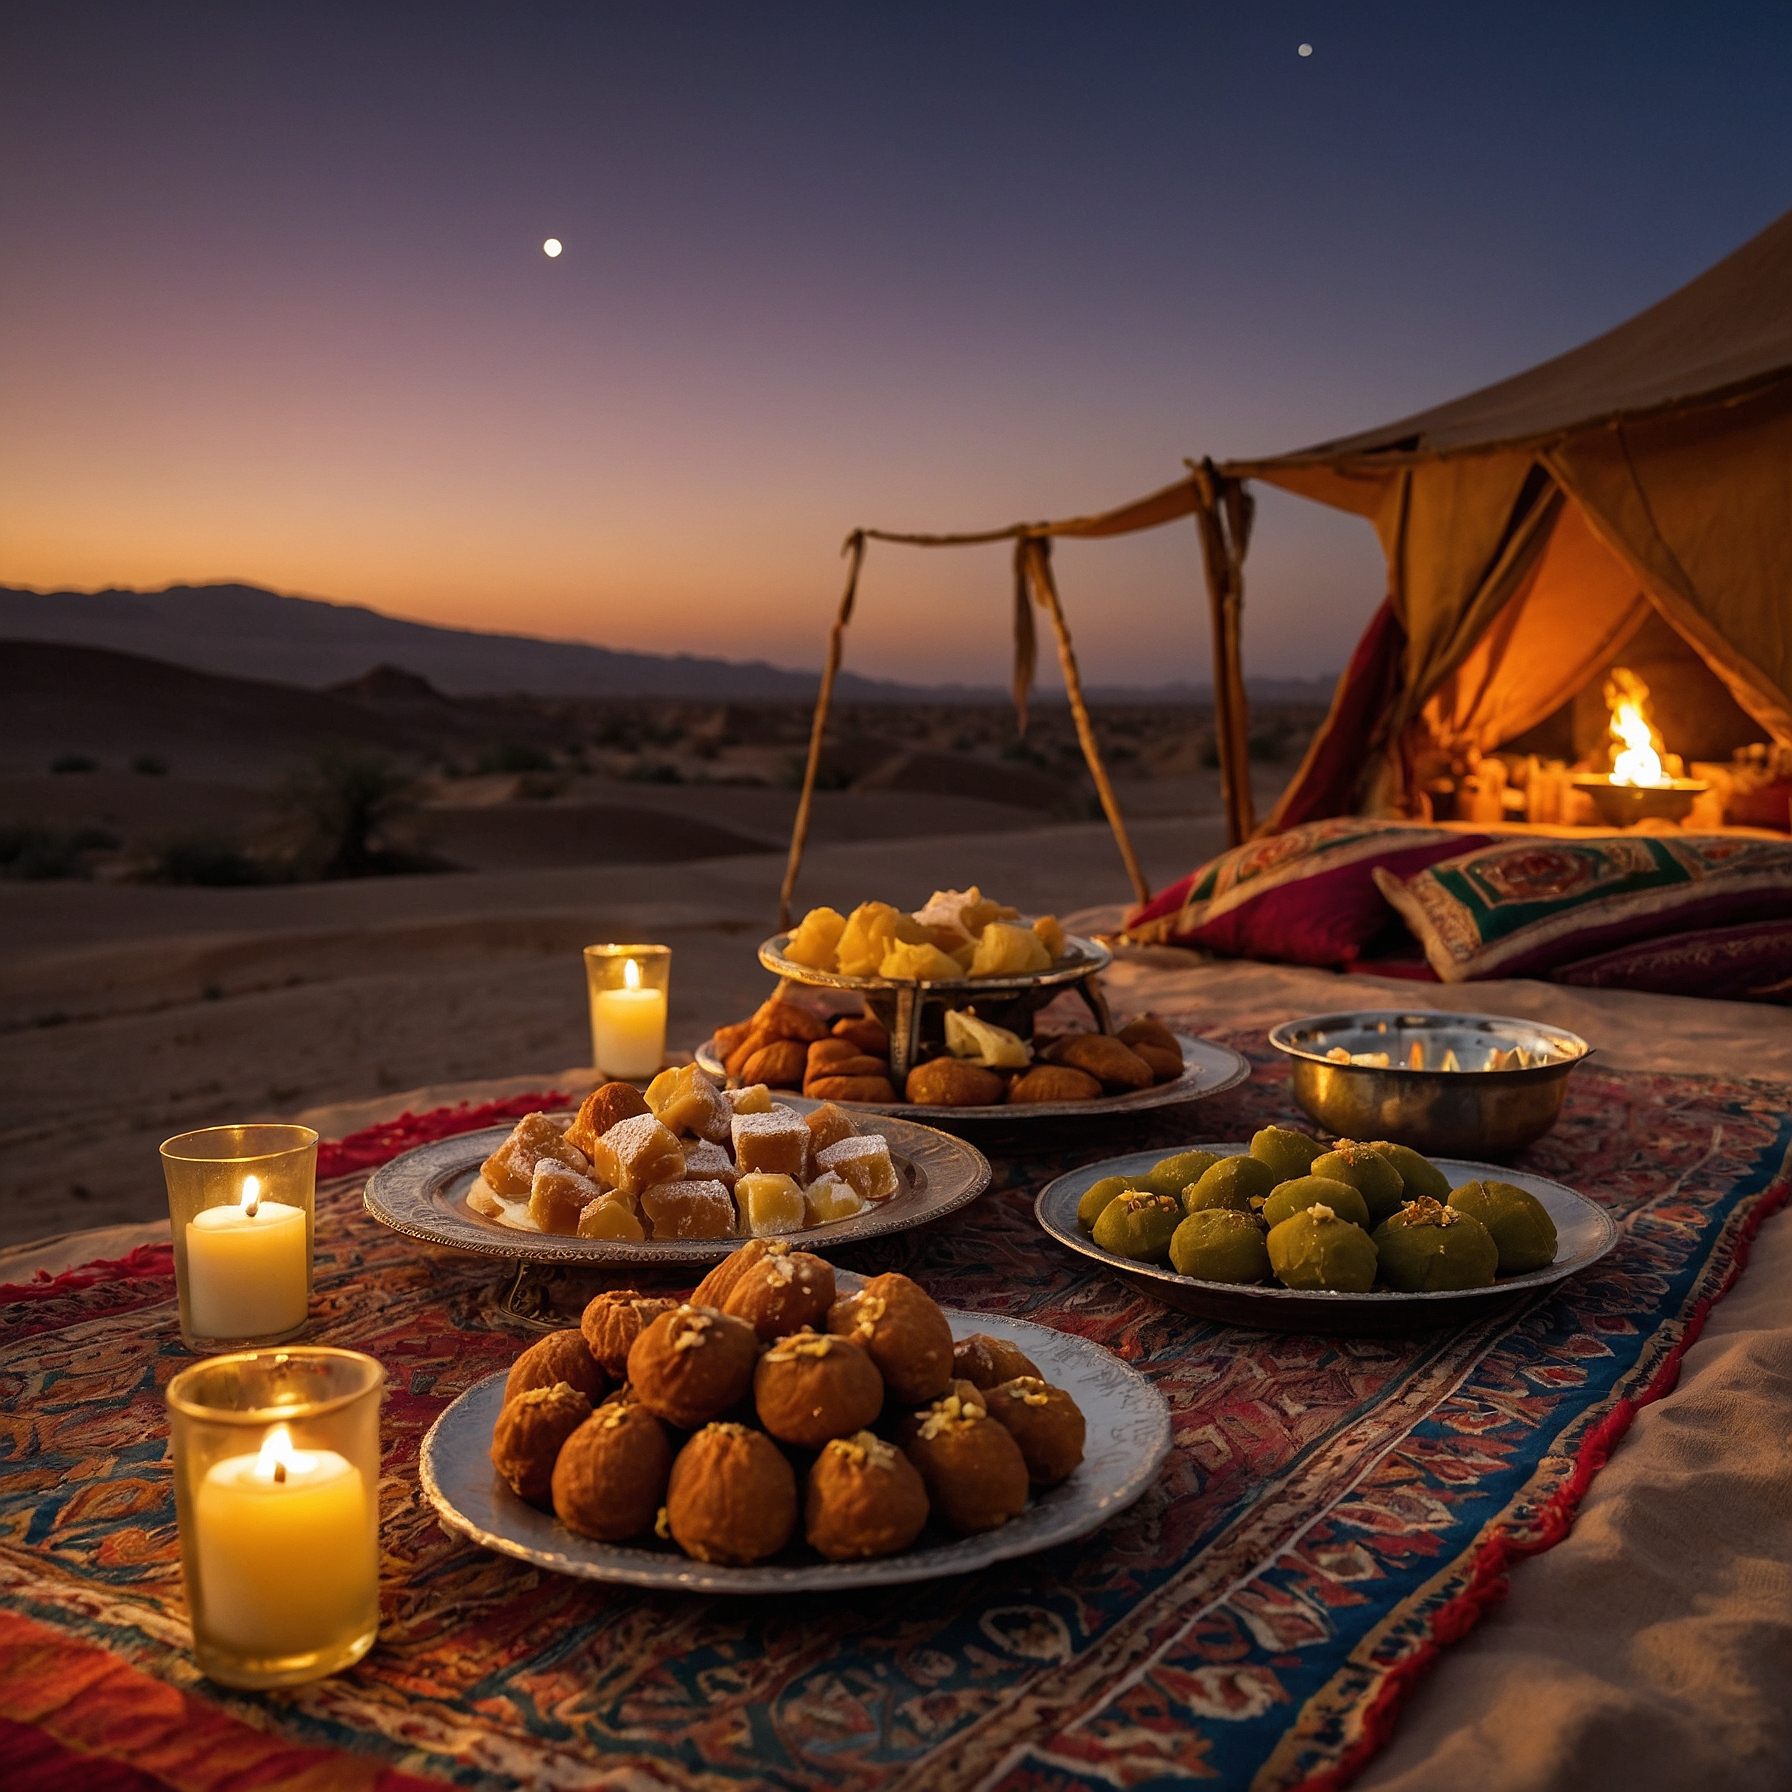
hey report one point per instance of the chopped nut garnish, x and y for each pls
(1146, 1203)
(947, 1411)
(1028, 1388)
(662, 1527)
(690, 1335)
(614, 1416)
(864, 1449)
(780, 1271)
(1320, 1211)
(787, 1350)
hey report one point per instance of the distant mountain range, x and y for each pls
(244, 631)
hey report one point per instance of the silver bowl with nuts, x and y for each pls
(1465, 1085)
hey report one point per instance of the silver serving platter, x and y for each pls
(1585, 1232)
(1207, 1069)
(423, 1194)
(1472, 1108)
(1128, 1439)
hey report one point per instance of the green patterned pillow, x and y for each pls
(1519, 908)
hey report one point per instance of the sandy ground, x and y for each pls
(132, 1012)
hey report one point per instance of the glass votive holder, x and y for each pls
(276, 1490)
(240, 1204)
(628, 987)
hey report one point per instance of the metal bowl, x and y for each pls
(1472, 1111)
(1624, 805)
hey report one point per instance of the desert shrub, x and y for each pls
(36, 854)
(151, 765)
(338, 808)
(74, 762)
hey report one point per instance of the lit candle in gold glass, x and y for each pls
(628, 987)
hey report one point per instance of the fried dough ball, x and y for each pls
(869, 1034)
(560, 1356)
(1045, 1422)
(1054, 1082)
(864, 1498)
(614, 1320)
(786, 1020)
(1148, 1030)
(901, 1328)
(974, 1472)
(732, 1496)
(606, 1106)
(692, 1364)
(714, 1289)
(987, 1362)
(1105, 1059)
(811, 1387)
(527, 1437)
(952, 1083)
(877, 1089)
(782, 1292)
(612, 1473)
(779, 1065)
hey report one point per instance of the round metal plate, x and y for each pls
(1207, 1069)
(1585, 1232)
(423, 1194)
(1127, 1441)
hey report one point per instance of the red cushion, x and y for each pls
(1306, 896)
(1749, 963)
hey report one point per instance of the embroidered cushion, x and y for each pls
(1520, 908)
(1750, 963)
(1306, 896)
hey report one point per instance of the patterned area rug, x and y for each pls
(1335, 1511)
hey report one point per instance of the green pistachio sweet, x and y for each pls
(1096, 1197)
(1217, 1244)
(1427, 1248)
(1139, 1225)
(1369, 1173)
(1422, 1177)
(1287, 1152)
(1317, 1250)
(1522, 1230)
(1233, 1182)
(1174, 1174)
(1296, 1196)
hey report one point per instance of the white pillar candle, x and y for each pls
(248, 1268)
(288, 1550)
(628, 1027)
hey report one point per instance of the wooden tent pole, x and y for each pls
(1037, 551)
(1222, 559)
(799, 833)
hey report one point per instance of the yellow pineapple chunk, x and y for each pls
(769, 1204)
(685, 1100)
(1004, 950)
(982, 1042)
(606, 1217)
(816, 941)
(869, 932)
(1053, 936)
(975, 916)
(926, 962)
(831, 1197)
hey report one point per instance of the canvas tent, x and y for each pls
(1634, 492)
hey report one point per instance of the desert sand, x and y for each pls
(133, 1012)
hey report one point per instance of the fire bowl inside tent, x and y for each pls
(1623, 805)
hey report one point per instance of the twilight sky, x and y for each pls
(273, 302)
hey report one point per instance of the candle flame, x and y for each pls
(1636, 759)
(277, 1457)
(251, 1195)
(631, 974)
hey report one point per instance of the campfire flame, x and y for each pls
(1636, 755)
